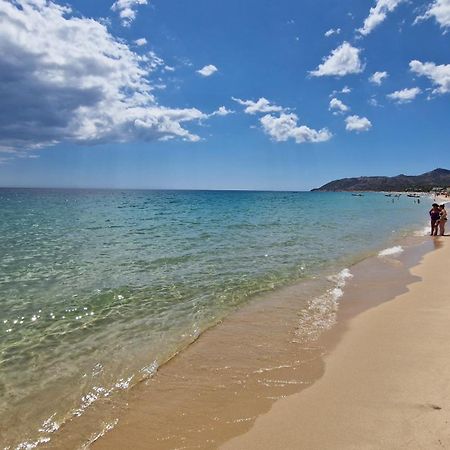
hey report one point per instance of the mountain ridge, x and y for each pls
(437, 178)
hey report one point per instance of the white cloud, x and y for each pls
(337, 106)
(222, 111)
(286, 127)
(378, 14)
(439, 75)
(440, 10)
(342, 61)
(66, 78)
(332, 31)
(405, 95)
(344, 90)
(208, 70)
(260, 106)
(127, 9)
(140, 42)
(378, 77)
(358, 124)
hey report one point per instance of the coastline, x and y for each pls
(266, 348)
(231, 386)
(386, 383)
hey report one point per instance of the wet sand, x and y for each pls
(236, 377)
(386, 384)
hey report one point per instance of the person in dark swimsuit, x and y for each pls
(434, 216)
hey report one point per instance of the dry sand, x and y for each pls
(387, 383)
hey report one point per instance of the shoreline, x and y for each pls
(287, 376)
(386, 383)
(259, 353)
(241, 367)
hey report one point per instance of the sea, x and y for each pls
(100, 288)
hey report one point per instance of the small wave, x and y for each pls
(50, 426)
(391, 251)
(341, 278)
(320, 314)
(108, 427)
(423, 232)
(28, 445)
(151, 369)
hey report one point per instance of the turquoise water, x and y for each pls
(98, 288)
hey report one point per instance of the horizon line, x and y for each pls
(90, 188)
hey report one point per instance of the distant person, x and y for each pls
(434, 216)
(442, 219)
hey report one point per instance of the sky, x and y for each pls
(242, 94)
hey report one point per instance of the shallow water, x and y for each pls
(99, 288)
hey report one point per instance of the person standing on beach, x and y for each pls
(434, 216)
(442, 219)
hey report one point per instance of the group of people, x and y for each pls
(438, 216)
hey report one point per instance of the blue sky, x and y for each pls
(250, 94)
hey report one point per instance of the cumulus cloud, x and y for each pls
(343, 60)
(440, 11)
(222, 111)
(260, 106)
(438, 74)
(140, 42)
(405, 95)
(332, 31)
(358, 124)
(208, 70)
(337, 106)
(286, 127)
(378, 77)
(65, 78)
(378, 14)
(127, 9)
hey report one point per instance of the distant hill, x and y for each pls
(425, 182)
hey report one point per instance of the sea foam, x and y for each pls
(320, 314)
(391, 251)
(423, 232)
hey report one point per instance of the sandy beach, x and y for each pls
(376, 379)
(386, 385)
(215, 225)
(267, 330)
